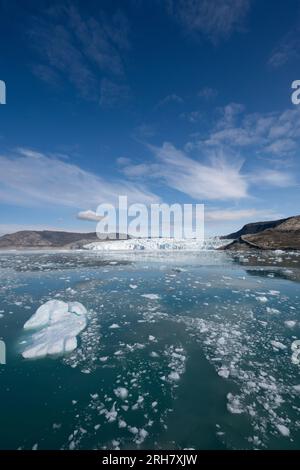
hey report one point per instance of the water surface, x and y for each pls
(205, 358)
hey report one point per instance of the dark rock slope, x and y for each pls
(282, 234)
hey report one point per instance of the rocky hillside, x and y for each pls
(280, 235)
(47, 239)
(254, 227)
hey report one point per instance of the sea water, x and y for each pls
(181, 350)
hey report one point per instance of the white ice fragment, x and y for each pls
(234, 406)
(283, 430)
(122, 423)
(290, 323)
(121, 392)
(278, 345)
(151, 296)
(174, 376)
(272, 310)
(296, 388)
(224, 372)
(114, 326)
(55, 326)
(262, 298)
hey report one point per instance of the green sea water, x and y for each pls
(200, 344)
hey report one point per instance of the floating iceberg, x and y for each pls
(156, 244)
(55, 326)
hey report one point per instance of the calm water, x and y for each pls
(206, 358)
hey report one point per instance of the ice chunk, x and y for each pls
(151, 296)
(278, 345)
(55, 326)
(283, 430)
(121, 392)
(290, 323)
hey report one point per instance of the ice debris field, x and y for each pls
(112, 351)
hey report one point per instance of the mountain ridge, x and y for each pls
(35, 239)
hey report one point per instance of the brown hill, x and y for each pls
(281, 235)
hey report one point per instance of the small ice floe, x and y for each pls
(224, 372)
(234, 405)
(142, 434)
(262, 298)
(103, 358)
(133, 286)
(174, 376)
(272, 311)
(296, 388)
(55, 326)
(278, 345)
(284, 431)
(121, 392)
(114, 326)
(274, 292)
(154, 354)
(290, 323)
(151, 296)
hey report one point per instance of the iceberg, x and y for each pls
(55, 326)
(157, 244)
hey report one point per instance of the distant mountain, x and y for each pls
(281, 234)
(47, 239)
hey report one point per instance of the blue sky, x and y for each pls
(163, 100)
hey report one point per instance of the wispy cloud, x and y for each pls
(207, 93)
(276, 133)
(35, 179)
(218, 176)
(287, 50)
(113, 95)
(229, 215)
(215, 19)
(82, 49)
(173, 98)
(215, 180)
(273, 178)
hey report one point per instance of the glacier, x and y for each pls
(55, 326)
(157, 244)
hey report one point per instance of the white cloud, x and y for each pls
(217, 179)
(216, 19)
(228, 215)
(274, 178)
(89, 215)
(32, 178)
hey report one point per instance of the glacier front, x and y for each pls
(55, 326)
(157, 244)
